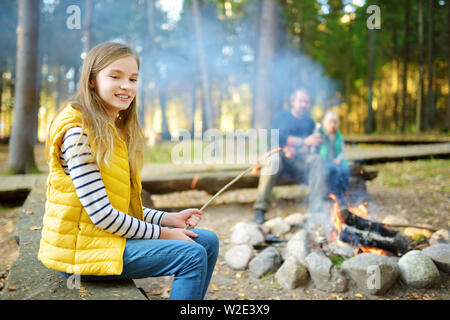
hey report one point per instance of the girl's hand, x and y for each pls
(180, 219)
(177, 234)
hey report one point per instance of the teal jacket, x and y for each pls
(324, 148)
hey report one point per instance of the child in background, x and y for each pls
(332, 152)
(94, 223)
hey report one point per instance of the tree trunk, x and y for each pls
(419, 109)
(193, 107)
(148, 69)
(21, 145)
(405, 67)
(141, 107)
(348, 96)
(87, 30)
(208, 109)
(447, 116)
(265, 74)
(370, 122)
(256, 20)
(2, 124)
(38, 95)
(430, 97)
(397, 75)
(165, 133)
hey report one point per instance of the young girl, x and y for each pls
(332, 152)
(94, 223)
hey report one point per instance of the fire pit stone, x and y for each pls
(372, 273)
(440, 254)
(418, 271)
(247, 233)
(297, 246)
(238, 256)
(440, 236)
(266, 261)
(324, 274)
(277, 226)
(340, 248)
(295, 219)
(292, 274)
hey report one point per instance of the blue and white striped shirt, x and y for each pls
(91, 191)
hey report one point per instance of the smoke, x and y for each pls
(231, 50)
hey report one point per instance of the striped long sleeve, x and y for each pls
(91, 191)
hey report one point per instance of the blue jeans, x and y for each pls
(192, 263)
(337, 178)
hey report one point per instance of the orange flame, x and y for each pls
(360, 210)
(255, 170)
(376, 251)
(337, 221)
(336, 215)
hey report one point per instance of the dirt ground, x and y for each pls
(417, 190)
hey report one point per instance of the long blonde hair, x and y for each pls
(93, 110)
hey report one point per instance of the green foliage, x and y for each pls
(337, 260)
(415, 172)
(332, 33)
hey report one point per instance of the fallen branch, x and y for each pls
(398, 225)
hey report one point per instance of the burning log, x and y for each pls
(369, 238)
(365, 224)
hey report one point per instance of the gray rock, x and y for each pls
(277, 226)
(418, 271)
(239, 256)
(440, 236)
(297, 246)
(266, 261)
(324, 274)
(440, 254)
(340, 248)
(292, 274)
(372, 273)
(295, 219)
(246, 233)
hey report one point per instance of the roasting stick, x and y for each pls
(267, 155)
(398, 225)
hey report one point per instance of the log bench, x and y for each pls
(213, 181)
(29, 279)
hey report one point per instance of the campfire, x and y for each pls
(351, 225)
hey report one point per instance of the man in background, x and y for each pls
(297, 137)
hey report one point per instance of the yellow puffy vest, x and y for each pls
(70, 242)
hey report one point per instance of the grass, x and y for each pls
(408, 173)
(159, 153)
(337, 260)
